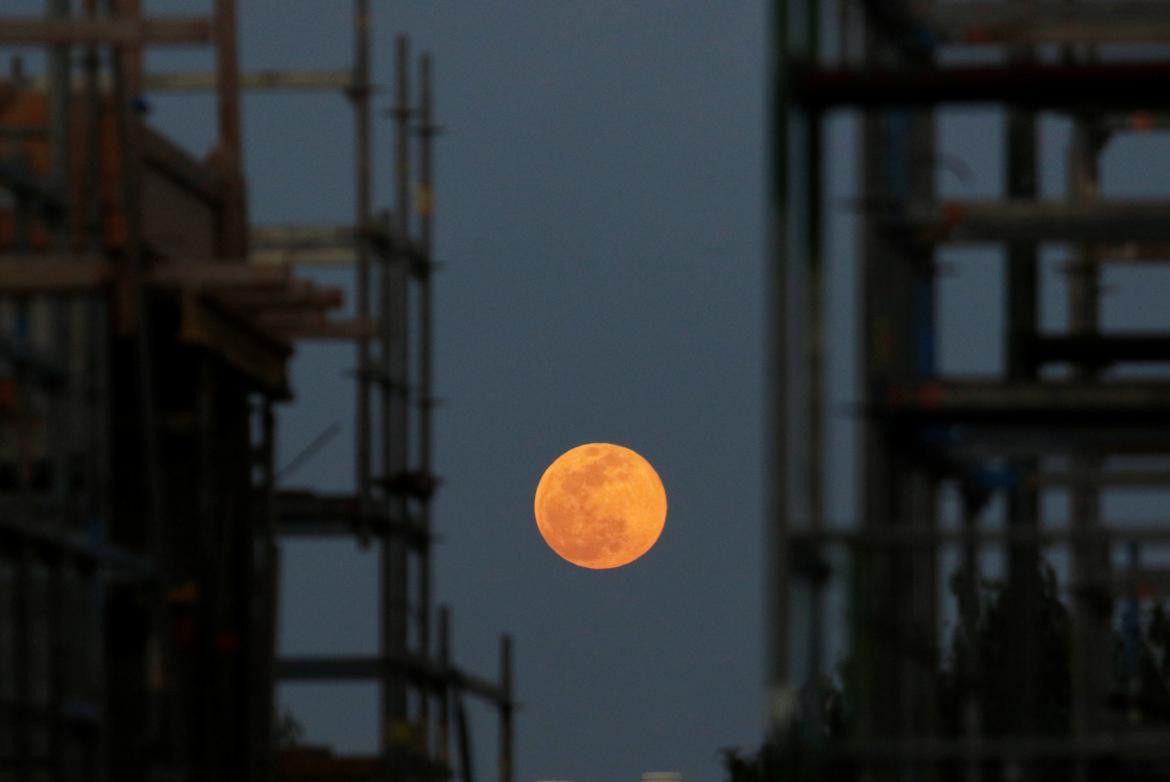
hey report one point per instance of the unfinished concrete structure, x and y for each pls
(1062, 425)
(145, 334)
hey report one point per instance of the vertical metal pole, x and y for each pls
(780, 692)
(60, 98)
(206, 555)
(1023, 502)
(402, 204)
(1090, 557)
(444, 738)
(267, 584)
(387, 322)
(59, 640)
(1021, 257)
(21, 661)
(872, 596)
(98, 416)
(895, 601)
(463, 732)
(233, 224)
(972, 712)
(155, 510)
(132, 53)
(61, 426)
(814, 354)
(128, 151)
(389, 594)
(89, 217)
(402, 388)
(395, 427)
(360, 95)
(506, 766)
(227, 83)
(426, 132)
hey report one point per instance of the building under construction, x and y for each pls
(946, 676)
(146, 329)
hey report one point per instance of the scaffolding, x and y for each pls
(145, 333)
(1057, 421)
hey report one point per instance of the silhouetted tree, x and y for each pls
(807, 751)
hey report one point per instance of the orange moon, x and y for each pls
(600, 506)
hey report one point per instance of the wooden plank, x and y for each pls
(1101, 85)
(256, 353)
(36, 31)
(1000, 23)
(218, 274)
(1082, 403)
(256, 80)
(52, 275)
(310, 236)
(29, 274)
(1037, 221)
(297, 294)
(201, 81)
(169, 159)
(303, 245)
(301, 327)
(329, 256)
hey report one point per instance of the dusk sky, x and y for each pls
(600, 204)
(599, 218)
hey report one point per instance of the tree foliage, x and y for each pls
(984, 660)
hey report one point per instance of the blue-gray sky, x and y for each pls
(600, 203)
(599, 215)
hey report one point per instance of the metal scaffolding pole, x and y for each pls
(190, 594)
(360, 95)
(814, 349)
(61, 429)
(1026, 221)
(1106, 85)
(1090, 610)
(233, 240)
(1023, 501)
(1031, 24)
(1015, 437)
(395, 426)
(21, 31)
(780, 692)
(443, 750)
(424, 267)
(155, 518)
(506, 707)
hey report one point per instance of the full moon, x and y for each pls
(600, 506)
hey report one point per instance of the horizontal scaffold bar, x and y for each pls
(199, 81)
(1047, 534)
(44, 274)
(1105, 222)
(1084, 402)
(1009, 23)
(1105, 85)
(35, 31)
(421, 670)
(312, 514)
(1145, 744)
